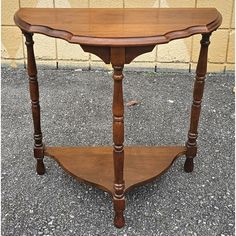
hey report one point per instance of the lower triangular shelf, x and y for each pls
(94, 165)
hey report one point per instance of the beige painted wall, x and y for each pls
(178, 54)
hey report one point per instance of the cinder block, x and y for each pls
(139, 66)
(177, 3)
(196, 47)
(106, 3)
(174, 66)
(175, 51)
(41, 64)
(63, 64)
(95, 58)
(217, 48)
(29, 3)
(231, 48)
(211, 67)
(230, 67)
(45, 47)
(62, 4)
(100, 65)
(69, 51)
(71, 3)
(8, 10)
(147, 57)
(19, 63)
(12, 45)
(233, 19)
(79, 3)
(141, 3)
(36, 3)
(224, 7)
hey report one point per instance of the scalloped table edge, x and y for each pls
(135, 41)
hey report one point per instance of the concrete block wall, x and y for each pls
(178, 54)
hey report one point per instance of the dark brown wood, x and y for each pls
(132, 52)
(118, 27)
(118, 60)
(94, 165)
(117, 36)
(201, 70)
(34, 95)
(103, 52)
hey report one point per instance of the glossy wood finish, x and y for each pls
(196, 106)
(94, 165)
(118, 60)
(97, 30)
(117, 36)
(118, 27)
(34, 95)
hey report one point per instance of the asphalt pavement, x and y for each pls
(76, 110)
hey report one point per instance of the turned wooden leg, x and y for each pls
(34, 95)
(201, 70)
(118, 148)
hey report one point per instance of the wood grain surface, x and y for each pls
(116, 26)
(94, 165)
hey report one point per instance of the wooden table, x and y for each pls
(117, 36)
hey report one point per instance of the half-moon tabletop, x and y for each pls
(116, 26)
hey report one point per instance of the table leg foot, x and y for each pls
(188, 165)
(40, 168)
(119, 207)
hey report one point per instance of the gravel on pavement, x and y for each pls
(76, 110)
